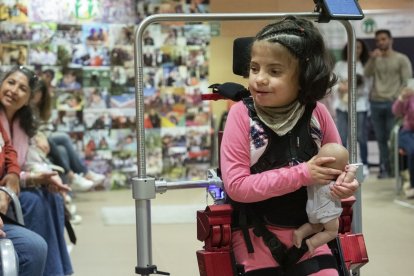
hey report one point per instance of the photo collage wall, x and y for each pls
(88, 45)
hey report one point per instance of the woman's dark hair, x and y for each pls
(305, 42)
(25, 114)
(44, 107)
(364, 54)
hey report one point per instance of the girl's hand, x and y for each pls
(319, 173)
(52, 180)
(56, 185)
(341, 189)
(406, 93)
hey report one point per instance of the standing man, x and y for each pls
(390, 70)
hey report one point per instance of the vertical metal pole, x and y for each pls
(352, 125)
(142, 206)
(352, 122)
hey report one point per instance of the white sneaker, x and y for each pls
(365, 171)
(68, 199)
(72, 209)
(97, 178)
(409, 194)
(76, 219)
(80, 183)
(406, 185)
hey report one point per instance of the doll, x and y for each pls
(323, 210)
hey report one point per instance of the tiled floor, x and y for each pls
(388, 224)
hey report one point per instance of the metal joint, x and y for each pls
(143, 188)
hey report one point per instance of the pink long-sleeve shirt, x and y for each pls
(405, 109)
(242, 144)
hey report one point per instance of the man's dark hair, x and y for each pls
(383, 31)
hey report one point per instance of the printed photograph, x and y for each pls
(14, 11)
(43, 32)
(121, 34)
(96, 34)
(43, 54)
(97, 76)
(57, 11)
(96, 118)
(96, 98)
(68, 34)
(15, 32)
(120, 11)
(13, 54)
(123, 118)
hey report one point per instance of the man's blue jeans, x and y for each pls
(362, 131)
(383, 121)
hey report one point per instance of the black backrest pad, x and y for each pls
(241, 55)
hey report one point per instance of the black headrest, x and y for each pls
(231, 90)
(241, 55)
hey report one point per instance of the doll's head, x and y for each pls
(335, 150)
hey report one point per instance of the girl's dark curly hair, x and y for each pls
(305, 42)
(25, 114)
(44, 108)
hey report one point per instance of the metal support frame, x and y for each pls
(143, 194)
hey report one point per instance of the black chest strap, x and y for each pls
(286, 258)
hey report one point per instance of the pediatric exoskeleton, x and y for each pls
(215, 223)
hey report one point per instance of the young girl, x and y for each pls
(403, 107)
(268, 148)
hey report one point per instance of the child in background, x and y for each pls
(269, 145)
(404, 107)
(323, 210)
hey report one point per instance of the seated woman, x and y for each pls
(40, 198)
(404, 107)
(31, 249)
(58, 146)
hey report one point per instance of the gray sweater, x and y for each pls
(390, 75)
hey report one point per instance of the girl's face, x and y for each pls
(37, 97)
(15, 91)
(274, 75)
